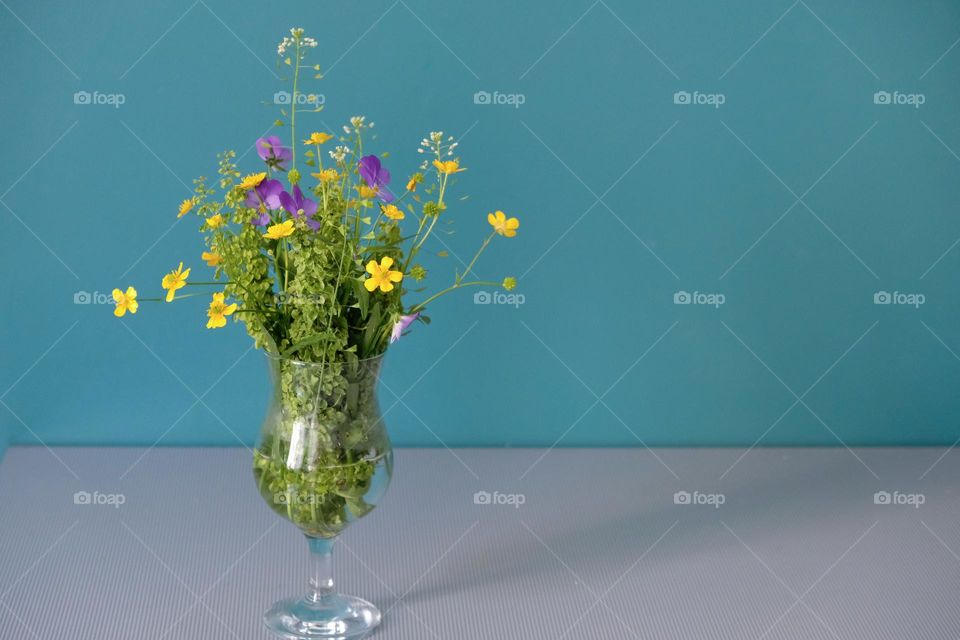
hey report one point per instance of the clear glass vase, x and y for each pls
(323, 461)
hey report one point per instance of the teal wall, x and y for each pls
(625, 197)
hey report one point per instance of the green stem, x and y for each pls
(454, 287)
(293, 107)
(474, 261)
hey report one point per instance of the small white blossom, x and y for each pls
(284, 45)
(346, 129)
(436, 136)
(339, 153)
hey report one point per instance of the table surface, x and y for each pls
(575, 543)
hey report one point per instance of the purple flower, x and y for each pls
(376, 176)
(272, 151)
(299, 206)
(401, 325)
(265, 197)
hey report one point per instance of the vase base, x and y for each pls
(334, 617)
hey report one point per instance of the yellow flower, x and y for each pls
(381, 275)
(509, 283)
(367, 192)
(446, 167)
(277, 231)
(176, 279)
(392, 212)
(216, 221)
(219, 311)
(503, 225)
(126, 301)
(212, 259)
(252, 180)
(327, 175)
(185, 207)
(412, 185)
(318, 138)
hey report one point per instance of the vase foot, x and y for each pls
(335, 617)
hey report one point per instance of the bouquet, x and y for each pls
(317, 251)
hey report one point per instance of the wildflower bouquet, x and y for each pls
(314, 251)
(319, 276)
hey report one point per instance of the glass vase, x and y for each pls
(323, 461)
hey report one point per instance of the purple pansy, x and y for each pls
(401, 325)
(265, 197)
(272, 151)
(376, 176)
(297, 205)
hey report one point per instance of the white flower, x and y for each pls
(339, 153)
(436, 136)
(284, 44)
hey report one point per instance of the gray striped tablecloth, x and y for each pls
(570, 543)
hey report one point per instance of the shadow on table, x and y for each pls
(617, 541)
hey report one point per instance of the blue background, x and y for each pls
(625, 198)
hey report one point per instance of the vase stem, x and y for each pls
(321, 568)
